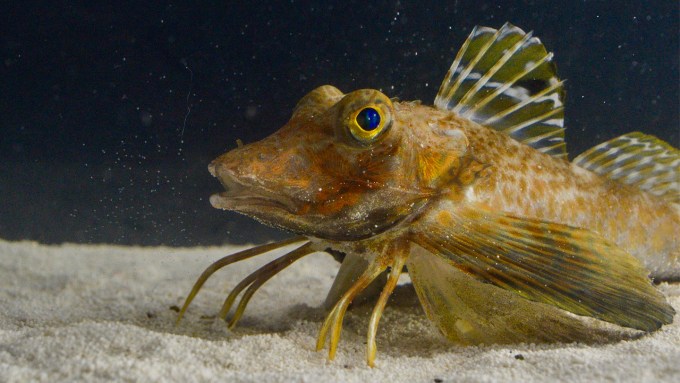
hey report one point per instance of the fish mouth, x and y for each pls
(243, 196)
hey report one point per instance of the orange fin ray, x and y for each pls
(232, 258)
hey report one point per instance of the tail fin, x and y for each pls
(640, 160)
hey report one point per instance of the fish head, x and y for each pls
(344, 167)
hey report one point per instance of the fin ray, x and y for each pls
(570, 268)
(450, 84)
(486, 77)
(505, 79)
(639, 160)
(470, 311)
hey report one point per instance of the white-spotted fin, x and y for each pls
(505, 79)
(639, 160)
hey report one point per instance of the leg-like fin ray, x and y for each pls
(400, 255)
(261, 276)
(353, 265)
(240, 256)
(333, 321)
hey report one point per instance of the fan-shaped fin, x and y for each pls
(567, 267)
(639, 160)
(470, 311)
(505, 79)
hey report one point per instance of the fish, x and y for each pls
(503, 238)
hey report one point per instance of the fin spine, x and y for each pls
(514, 108)
(466, 71)
(485, 79)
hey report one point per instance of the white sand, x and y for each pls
(102, 313)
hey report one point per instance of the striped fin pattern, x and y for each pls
(567, 267)
(639, 160)
(505, 79)
(470, 311)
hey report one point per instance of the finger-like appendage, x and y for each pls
(264, 274)
(266, 271)
(234, 293)
(397, 267)
(240, 256)
(321, 339)
(334, 319)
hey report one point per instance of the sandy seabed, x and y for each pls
(107, 313)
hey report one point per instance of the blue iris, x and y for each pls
(368, 119)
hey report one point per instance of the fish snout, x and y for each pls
(211, 168)
(227, 165)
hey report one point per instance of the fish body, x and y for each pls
(524, 182)
(474, 197)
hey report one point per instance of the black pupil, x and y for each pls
(368, 119)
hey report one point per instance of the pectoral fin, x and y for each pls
(573, 269)
(470, 311)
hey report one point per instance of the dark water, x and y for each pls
(111, 113)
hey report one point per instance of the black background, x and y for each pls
(110, 112)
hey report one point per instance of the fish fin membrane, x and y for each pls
(471, 312)
(351, 268)
(570, 268)
(505, 79)
(639, 160)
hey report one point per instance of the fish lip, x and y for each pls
(240, 195)
(245, 203)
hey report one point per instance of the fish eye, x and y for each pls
(367, 123)
(368, 119)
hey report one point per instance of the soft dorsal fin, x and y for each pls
(637, 159)
(505, 79)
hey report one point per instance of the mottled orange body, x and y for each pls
(525, 182)
(501, 235)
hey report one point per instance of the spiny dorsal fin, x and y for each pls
(505, 79)
(637, 159)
